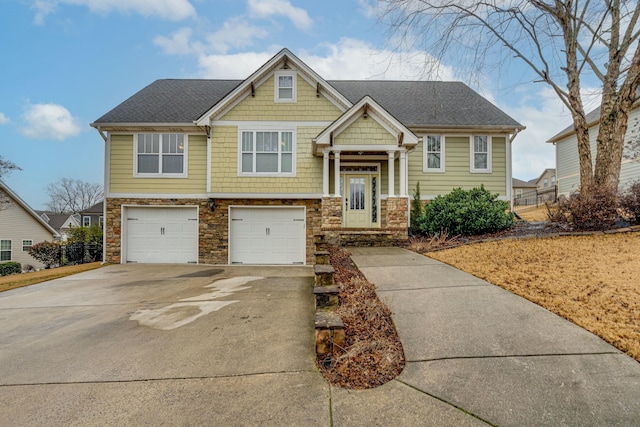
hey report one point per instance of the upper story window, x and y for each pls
(5, 250)
(26, 245)
(553, 181)
(160, 154)
(285, 86)
(433, 153)
(481, 153)
(267, 153)
(545, 182)
(86, 221)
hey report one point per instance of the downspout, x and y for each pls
(510, 168)
(107, 149)
(209, 151)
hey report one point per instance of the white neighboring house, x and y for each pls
(567, 163)
(20, 228)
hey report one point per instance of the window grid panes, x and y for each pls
(434, 152)
(86, 221)
(161, 153)
(5, 250)
(26, 245)
(285, 87)
(272, 152)
(481, 152)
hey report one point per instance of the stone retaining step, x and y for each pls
(324, 275)
(330, 334)
(322, 257)
(327, 297)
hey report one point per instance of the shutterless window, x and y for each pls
(26, 245)
(266, 152)
(434, 153)
(481, 153)
(5, 250)
(160, 154)
(86, 221)
(285, 87)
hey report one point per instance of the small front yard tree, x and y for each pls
(417, 210)
(47, 253)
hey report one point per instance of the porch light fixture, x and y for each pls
(212, 205)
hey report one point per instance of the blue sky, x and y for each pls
(67, 62)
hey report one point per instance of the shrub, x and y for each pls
(10, 267)
(417, 210)
(47, 253)
(28, 268)
(90, 235)
(466, 212)
(595, 209)
(630, 202)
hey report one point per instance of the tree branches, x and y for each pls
(72, 196)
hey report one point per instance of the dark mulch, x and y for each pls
(373, 353)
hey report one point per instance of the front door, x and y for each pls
(357, 200)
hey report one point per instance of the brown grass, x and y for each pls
(534, 214)
(18, 280)
(591, 280)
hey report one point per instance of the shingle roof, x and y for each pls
(515, 182)
(98, 208)
(591, 118)
(414, 103)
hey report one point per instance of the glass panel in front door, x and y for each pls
(357, 201)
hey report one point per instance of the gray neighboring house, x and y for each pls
(567, 163)
(92, 215)
(546, 185)
(20, 228)
(62, 223)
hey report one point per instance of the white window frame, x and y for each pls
(472, 152)
(160, 174)
(100, 220)
(276, 86)
(28, 245)
(267, 174)
(545, 182)
(83, 221)
(5, 250)
(553, 181)
(425, 159)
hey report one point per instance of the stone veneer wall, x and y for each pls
(213, 238)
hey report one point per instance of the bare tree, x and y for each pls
(72, 196)
(563, 42)
(6, 167)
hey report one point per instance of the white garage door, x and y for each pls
(161, 235)
(265, 235)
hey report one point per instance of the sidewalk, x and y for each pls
(492, 356)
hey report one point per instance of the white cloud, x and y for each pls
(235, 33)
(268, 8)
(174, 10)
(49, 121)
(3, 119)
(179, 43)
(236, 66)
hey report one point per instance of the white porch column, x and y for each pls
(391, 180)
(325, 173)
(403, 174)
(336, 190)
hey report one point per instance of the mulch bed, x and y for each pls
(373, 353)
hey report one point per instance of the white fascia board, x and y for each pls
(378, 113)
(216, 196)
(260, 75)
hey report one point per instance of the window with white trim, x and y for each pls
(267, 153)
(160, 154)
(100, 220)
(481, 153)
(26, 245)
(86, 221)
(553, 181)
(285, 86)
(5, 250)
(433, 153)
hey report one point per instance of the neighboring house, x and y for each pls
(568, 165)
(62, 223)
(20, 228)
(93, 215)
(546, 185)
(524, 193)
(251, 171)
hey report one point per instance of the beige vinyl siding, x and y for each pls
(308, 106)
(123, 181)
(224, 170)
(18, 225)
(457, 169)
(365, 131)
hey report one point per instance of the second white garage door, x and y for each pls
(267, 235)
(161, 235)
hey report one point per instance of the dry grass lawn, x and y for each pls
(534, 214)
(25, 279)
(594, 281)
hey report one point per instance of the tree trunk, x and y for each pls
(584, 151)
(610, 143)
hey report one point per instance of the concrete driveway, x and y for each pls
(162, 345)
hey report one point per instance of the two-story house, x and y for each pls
(249, 171)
